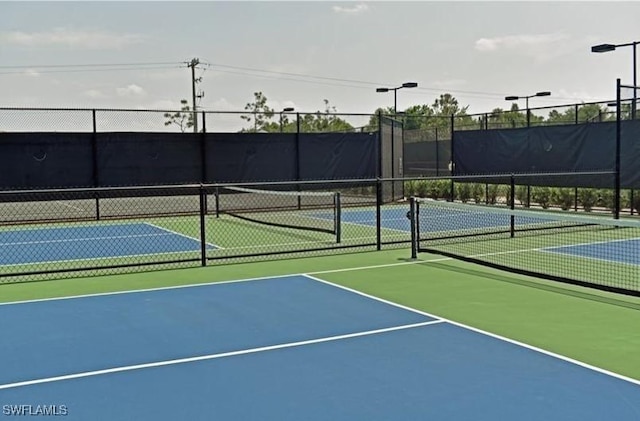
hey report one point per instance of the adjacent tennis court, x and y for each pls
(287, 348)
(40, 245)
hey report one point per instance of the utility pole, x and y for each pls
(193, 64)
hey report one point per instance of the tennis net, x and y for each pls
(301, 210)
(595, 251)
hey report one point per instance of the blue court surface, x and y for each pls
(620, 251)
(90, 242)
(286, 348)
(431, 219)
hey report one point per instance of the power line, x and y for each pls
(246, 71)
(44, 66)
(482, 94)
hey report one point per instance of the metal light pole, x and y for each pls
(284, 110)
(395, 93)
(526, 97)
(603, 48)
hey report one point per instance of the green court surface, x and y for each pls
(597, 328)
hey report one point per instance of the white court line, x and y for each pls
(137, 291)
(482, 332)
(165, 232)
(94, 259)
(70, 240)
(205, 284)
(181, 234)
(310, 276)
(71, 206)
(212, 356)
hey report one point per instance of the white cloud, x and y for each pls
(88, 39)
(131, 90)
(32, 72)
(94, 93)
(357, 9)
(518, 41)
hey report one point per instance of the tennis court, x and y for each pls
(30, 246)
(348, 336)
(288, 347)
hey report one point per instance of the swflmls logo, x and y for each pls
(35, 410)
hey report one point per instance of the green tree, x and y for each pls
(501, 119)
(586, 113)
(436, 116)
(261, 114)
(324, 121)
(320, 121)
(183, 118)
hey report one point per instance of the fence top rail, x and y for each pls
(547, 107)
(499, 175)
(245, 112)
(143, 110)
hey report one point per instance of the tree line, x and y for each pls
(262, 118)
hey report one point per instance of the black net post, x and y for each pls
(414, 236)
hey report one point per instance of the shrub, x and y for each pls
(422, 189)
(542, 196)
(463, 192)
(563, 197)
(440, 189)
(493, 193)
(477, 192)
(521, 195)
(635, 203)
(607, 199)
(411, 187)
(588, 198)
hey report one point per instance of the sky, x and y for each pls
(133, 55)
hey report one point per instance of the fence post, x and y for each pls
(94, 158)
(512, 204)
(378, 214)
(453, 164)
(203, 242)
(412, 217)
(437, 153)
(203, 150)
(297, 163)
(616, 212)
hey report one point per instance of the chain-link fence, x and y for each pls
(48, 234)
